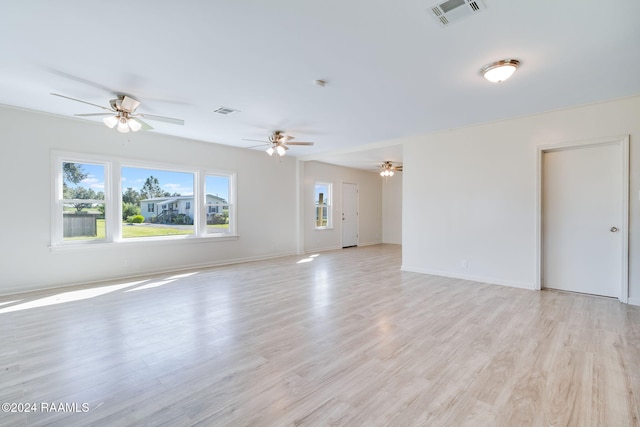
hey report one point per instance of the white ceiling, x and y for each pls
(391, 69)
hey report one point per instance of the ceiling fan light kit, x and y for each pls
(388, 169)
(500, 71)
(123, 122)
(278, 148)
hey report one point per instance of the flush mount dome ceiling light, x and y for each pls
(500, 71)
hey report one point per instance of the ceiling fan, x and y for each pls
(279, 143)
(387, 169)
(122, 113)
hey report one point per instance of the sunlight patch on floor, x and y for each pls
(10, 302)
(309, 259)
(70, 296)
(152, 285)
(180, 276)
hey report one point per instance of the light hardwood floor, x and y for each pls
(343, 338)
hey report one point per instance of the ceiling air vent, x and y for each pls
(452, 10)
(225, 110)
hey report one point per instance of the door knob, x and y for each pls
(613, 229)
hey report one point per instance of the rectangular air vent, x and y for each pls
(225, 110)
(450, 11)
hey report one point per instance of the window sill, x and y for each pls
(144, 241)
(323, 228)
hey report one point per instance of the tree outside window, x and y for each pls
(83, 201)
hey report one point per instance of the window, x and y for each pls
(81, 201)
(167, 190)
(322, 197)
(99, 199)
(217, 191)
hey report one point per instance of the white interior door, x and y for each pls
(582, 222)
(349, 215)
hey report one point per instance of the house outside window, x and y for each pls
(322, 205)
(164, 189)
(219, 209)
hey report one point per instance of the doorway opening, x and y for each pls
(349, 215)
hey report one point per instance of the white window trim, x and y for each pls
(57, 192)
(113, 208)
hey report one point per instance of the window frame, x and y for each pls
(57, 207)
(329, 205)
(113, 200)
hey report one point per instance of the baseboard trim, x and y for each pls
(634, 301)
(481, 279)
(369, 243)
(326, 249)
(333, 248)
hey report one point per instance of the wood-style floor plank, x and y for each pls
(344, 338)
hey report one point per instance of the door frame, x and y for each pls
(623, 142)
(357, 186)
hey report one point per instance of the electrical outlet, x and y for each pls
(464, 263)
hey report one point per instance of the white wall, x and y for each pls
(369, 206)
(470, 194)
(266, 203)
(392, 209)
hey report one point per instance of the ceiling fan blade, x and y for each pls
(82, 80)
(162, 119)
(256, 146)
(145, 126)
(93, 114)
(398, 168)
(129, 104)
(299, 143)
(79, 100)
(256, 140)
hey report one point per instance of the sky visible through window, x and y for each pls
(324, 189)
(173, 182)
(94, 179)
